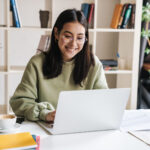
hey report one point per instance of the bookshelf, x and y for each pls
(17, 45)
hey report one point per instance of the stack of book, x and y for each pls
(123, 16)
(23, 140)
(15, 14)
(109, 64)
(88, 10)
(43, 44)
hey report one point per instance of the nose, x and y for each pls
(73, 42)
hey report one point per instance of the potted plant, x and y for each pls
(146, 15)
(145, 34)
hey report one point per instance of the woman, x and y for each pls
(68, 65)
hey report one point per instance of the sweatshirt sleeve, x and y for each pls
(100, 80)
(24, 102)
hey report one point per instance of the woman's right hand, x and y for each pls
(50, 116)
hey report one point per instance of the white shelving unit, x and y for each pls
(18, 45)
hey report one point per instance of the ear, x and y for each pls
(56, 33)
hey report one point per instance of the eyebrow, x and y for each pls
(72, 34)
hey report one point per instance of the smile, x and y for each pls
(71, 49)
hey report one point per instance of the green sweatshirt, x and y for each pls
(36, 96)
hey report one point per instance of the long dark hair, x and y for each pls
(52, 66)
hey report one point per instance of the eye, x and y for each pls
(80, 38)
(68, 36)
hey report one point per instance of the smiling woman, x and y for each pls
(69, 64)
(70, 40)
(70, 24)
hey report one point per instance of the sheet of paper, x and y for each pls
(136, 120)
(142, 135)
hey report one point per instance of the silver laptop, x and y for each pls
(88, 110)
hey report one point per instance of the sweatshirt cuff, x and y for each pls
(43, 113)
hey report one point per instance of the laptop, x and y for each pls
(88, 110)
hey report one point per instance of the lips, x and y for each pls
(70, 49)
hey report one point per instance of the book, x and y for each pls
(132, 20)
(85, 9)
(37, 140)
(12, 19)
(109, 62)
(126, 17)
(18, 13)
(108, 68)
(91, 16)
(43, 44)
(48, 44)
(15, 13)
(116, 16)
(122, 15)
(23, 140)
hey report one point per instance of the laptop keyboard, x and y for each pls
(48, 125)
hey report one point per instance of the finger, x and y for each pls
(50, 122)
(53, 114)
(52, 119)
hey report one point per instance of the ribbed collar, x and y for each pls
(69, 62)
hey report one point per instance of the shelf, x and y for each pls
(27, 28)
(15, 71)
(90, 30)
(11, 72)
(113, 30)
(3, 28)
(20, 44)
(118, 72)
(3, 72)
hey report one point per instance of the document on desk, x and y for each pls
(141, 135)
(135, 120)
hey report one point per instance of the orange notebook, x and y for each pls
(17, 141)
(116, 16)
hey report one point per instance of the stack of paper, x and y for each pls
(137, 123)
(142, 135)
(135, 120)
(17, 141)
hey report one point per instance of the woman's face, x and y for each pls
(71, 39)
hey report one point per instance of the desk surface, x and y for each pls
(105, 140)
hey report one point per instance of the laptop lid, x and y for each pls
(90, 110)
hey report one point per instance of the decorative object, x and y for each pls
(44, 18)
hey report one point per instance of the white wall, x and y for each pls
(30, 14)
(2, 12)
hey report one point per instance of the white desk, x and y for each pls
(104, 140)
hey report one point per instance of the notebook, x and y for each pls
(88, 110)
(16, 141)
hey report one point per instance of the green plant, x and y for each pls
(147, 51)
(145, 33)
(146, 12)
(146, 17)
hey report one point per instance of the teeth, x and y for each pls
(70, 49)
